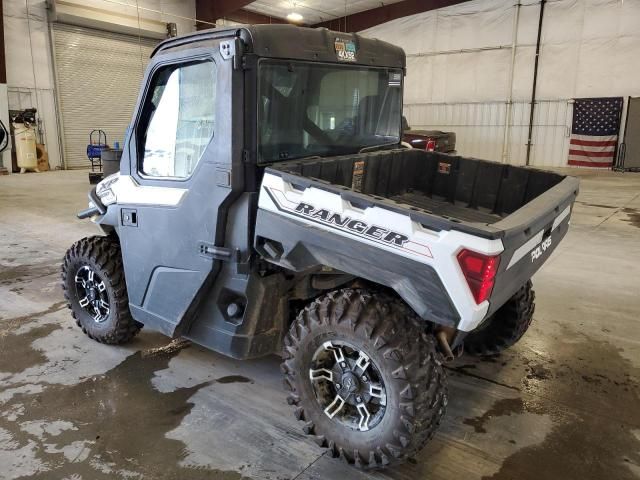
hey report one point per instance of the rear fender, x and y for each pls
(302, 228)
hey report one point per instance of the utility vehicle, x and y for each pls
(430, 140)
(265, 204)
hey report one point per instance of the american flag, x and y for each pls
(594, 134)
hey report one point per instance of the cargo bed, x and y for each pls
(456, 189)
(443, 208)
(525, 210)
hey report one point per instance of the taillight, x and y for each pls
(480, 272)
(431, 145)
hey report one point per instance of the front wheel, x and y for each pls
(364, 377)
(94, 288)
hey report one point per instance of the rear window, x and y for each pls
(310, 109)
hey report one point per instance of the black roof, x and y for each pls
(298, 43)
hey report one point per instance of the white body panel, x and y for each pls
(124, 190)
(438, 249)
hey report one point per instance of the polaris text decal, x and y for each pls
(537, 252)
(354, 226)
(347, 224)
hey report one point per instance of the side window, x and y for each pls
(178, 119)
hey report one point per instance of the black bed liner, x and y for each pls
(457, 189)
(440, 206)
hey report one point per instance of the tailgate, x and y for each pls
(531, 234)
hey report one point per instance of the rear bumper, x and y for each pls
(531, 234)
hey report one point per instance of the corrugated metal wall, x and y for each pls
(480, 128)
(484, 51)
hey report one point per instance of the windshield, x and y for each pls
(308, 109)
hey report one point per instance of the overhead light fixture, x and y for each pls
(294, 17)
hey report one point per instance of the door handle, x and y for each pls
(129, 217)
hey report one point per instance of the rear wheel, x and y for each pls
(94, 287)
(505, 327)
(364, 377)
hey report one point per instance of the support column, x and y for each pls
(4, 98)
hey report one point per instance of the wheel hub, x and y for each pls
(348, 386)
(350, 383)
(92, 294)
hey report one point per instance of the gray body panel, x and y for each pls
(166, 271)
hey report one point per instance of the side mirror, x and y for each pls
(4, 137)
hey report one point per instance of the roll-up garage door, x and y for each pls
(99, 76)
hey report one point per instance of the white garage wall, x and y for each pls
(459, 70)
(30, 75)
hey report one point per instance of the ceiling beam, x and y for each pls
(370, 18)
(211, 10)
(208, 11)
(247, 16)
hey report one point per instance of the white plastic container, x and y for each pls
(26, 154)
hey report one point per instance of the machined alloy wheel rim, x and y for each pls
(348, 385)
(92, 294)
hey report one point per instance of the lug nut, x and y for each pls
(338, 386)
(358, 399)
(343, 364)
(364, 378)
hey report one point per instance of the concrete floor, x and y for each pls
(563, 404)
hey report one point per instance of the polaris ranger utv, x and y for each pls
(265, 204)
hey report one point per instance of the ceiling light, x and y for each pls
(294, 17)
